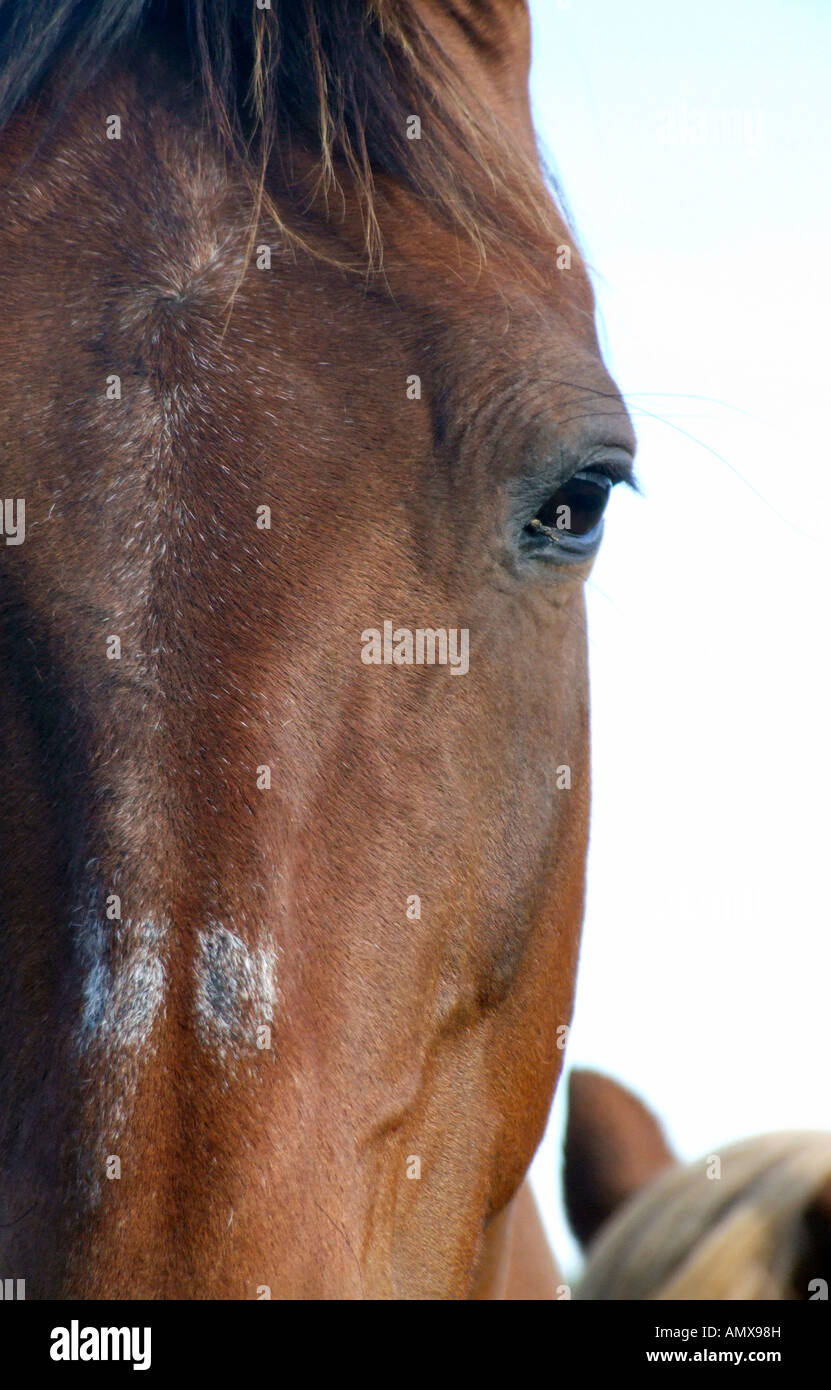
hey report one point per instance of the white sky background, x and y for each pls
(706, 962)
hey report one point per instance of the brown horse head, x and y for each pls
(749, 1221)
(302, 394)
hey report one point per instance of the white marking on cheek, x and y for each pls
(236, 989)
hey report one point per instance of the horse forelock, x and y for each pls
(342, 78)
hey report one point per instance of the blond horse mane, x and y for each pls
(691, 1236)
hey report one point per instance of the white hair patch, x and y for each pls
(124, 979)
(236, 990)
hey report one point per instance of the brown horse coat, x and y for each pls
(287, 939)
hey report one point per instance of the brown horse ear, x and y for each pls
(614, 1145)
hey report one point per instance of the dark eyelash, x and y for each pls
(616, 470)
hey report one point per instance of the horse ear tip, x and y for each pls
(585, 1084)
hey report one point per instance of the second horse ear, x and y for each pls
(614, 1145)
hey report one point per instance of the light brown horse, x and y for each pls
(295, 343)
(749, 1221)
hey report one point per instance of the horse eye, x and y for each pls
(575, 509)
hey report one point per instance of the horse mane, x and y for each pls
(342, 76)
(689, 1236)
